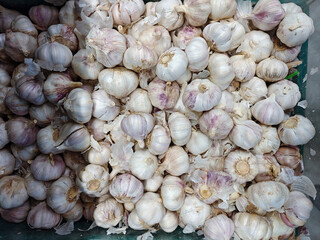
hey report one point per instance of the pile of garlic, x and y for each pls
(153, 116)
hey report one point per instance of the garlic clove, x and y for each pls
(284, 53)
(237, 32)
(158, 141)
(16, 104)
(36, 189)
(172, 193)
(105, 107)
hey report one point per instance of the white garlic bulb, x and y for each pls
(198, 54)
(125, 12)
(169, 17)
(182, 36)
(268, 111)
(272, 70)
(150, 209)
(153, 184)
(291, 8)
(198, 143)
(201, 95)
(79, 105)
(169, 222)
(254, 90)
(216, 124)
(175, 162)
(237, 32)
(180, 128)
(143, 164)
(139, 102)
(257, 44)
(107, 45)
(108, 213)
(270, 141)
(246, 134)
(135, 222)
(105, 107)
(159, 140)
(287, 93)
(118, 82)
(295, 29)
(172, 64)
(218, 227)
(241, 165)
(252, 226)
(218, 36)
(13, 191)
(222, 72)
(226, 102)
(222, 10)
(279, 228)
(244, 67)
(151, 8)
(297, 130)
(284, 53)
(172, 193)
(99, 154)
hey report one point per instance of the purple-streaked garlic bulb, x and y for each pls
(16, 104)
(182, 36)
(17, 214)
(43, 114)
(24, 153)
(7, 163)
(63, 34)
(43, 16)
(42, 216)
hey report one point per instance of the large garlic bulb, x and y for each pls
(125, 12)
(198, 143)
(270, 141)
(108, 213)
(143, 164)
(159, 140)
(172, 193)
(198, 54)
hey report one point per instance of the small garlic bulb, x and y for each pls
(13, 191)
(108, 213)
(222, 10)
(198, 143)
(241, 165)
(158, 141)
(287, 93)
(201, 95)
(139, 101)
(272, 70)
(99, 154)
(218, 36)
(237, 32)
(270, 141)
(63, 33)
(182, 36)
(180, 128)
(169, 222)
(143, 164)
(43, 16)
(246, 134)
(284, 53)
(14, 102)
(175, 162)
(252, 226)
(172, 193)
(43, 114)
(218, 227)
(118, 82)
(24, 153)
(257, 44)
(222, 72)
(153, 184)
(7, 163)
(244, 67)
(85, 65)
(172, 64)
(139, 57)
(42, 216)
(125, 12)
(107, 45)
(150, 209)
(105, 107)
(23, 24)
(169, 17)
(295, 29)
(198, 54)
(297, 130)
(36, 189)
(47, 168)
(268, 111)
(254, 90)
(216, 124)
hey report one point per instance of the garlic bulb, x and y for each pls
(99, 154)
(107, 45)
(67, 15)
(17, 214)
(36, 189)
(7, 16)
(3, 107)
(237, 32)
(226, 102)
(241, 165)
(108, 213)
(218, 227)
(85, 65)
(272, 70)
(73, 160)
(47, 168)
(268, 111)
(118, 82)
(216, 124)
(295, 29)
(241, 110)
(218, 35)
(46, 140)
(287, 93)
(172, 64)
(198, 54)
(79, 105)
(222, 72)
(75, 214)
(284, 53)
(150, 209)
(198, 143)
(24, 153)
(150, 8)
(163, 95)
(169, 222)
(94, 126)
(194, 213)
(289, 156)
(125, 12)
(257, 44)
(175, 162)
(246, 134)
(270, 141)
(42, 216)
(7, 163)
(196, 12)
(139, 101)
(182, 36)
(13, 192)
(143, 164)
(4, 135)
(244, 67)
(180, 128)
(135, 222)
(4, 78)
(291, 8)
(43, 16)
(63, 33)
(158, 140)
(279, 228)
(222, 10)
(53, 56)
(23, 24)
(105, 107)
(43, 114)
(93, 180)
(297, 130)
(252, 226)
(172, 193)
(153, 184)
(15, 103)
(254, 90)
(169, 17)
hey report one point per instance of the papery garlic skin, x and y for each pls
(172, 193)
(287, 93)
(257, 44)
(108, 213)
(270, 141)
(158, 140)
(216, 124)
(198, 143)
(237, 32)
(125, 12)
(105, 107)
(198, 54)
(182, 36)
(13, 192)
(172, 64)
(244, 67)
(272, 70)
(175, 162)
(139, 101)
(180, 128)
(218, 36)
(67, 15)
(218, 227)
(99, 154)
(169, 17)
(222, 10)
(226, 102)
(297, 130)
(169, 222)
(7, 163)
(118, 82)
(253, 90)
(42, 216)
(295, 29)
(291, 8)
(241, 165)
(143, 164)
